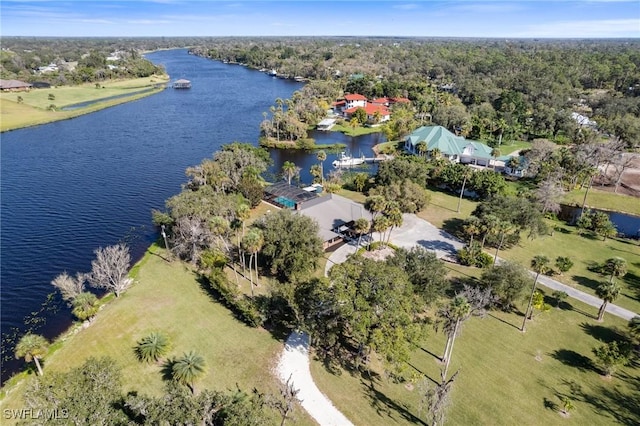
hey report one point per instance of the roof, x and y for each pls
(381, 101)
(355, 97)
(370, 109)
(437, 137)
(295, 194)
(400, 100)
(182, 81)
(332, 211)
(13, 84)
(327, 122)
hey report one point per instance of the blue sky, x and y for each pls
(493, 18)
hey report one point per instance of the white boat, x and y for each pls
(345, 160)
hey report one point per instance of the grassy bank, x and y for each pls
(604, 200)
(506, 377)
(584, 250)
(34, 107)
(168, 297)
(355, 131)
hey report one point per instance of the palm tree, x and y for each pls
(495, 153)
(421, 147)
(634, 328)
(608, 292)
(85, 306)
(472, 227)
(380, 225)
(502, 228)
(616, 267)
(252, 243)
(187, 369)
(361, 226)
(453, 315)
(394, 215)
(243, 212)
(321, 156)
(465, 175)
(32, 347)
(152, 347)
(540, 265)
(289, 169)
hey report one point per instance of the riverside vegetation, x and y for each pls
(378, 353)
(379, 350)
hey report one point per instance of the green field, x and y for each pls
(506, 377)
(168, 297)
(357, 131)
(33, 109)
(604, 200)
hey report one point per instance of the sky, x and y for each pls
(426, 18)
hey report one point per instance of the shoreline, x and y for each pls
(60, 114)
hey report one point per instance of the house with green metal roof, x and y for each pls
(426, 139)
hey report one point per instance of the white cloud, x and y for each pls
(585, 29)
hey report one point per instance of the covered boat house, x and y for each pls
(182, 84)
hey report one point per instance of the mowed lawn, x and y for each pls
(167, 297)
(34, 107)
(505, 377)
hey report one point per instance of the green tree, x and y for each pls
(611, 356)
(292, 246)
(608, 292)
(252, 243)
(32, 347)
(453, 316)
(152, 347)
(87, 395)
(360, 180)
(361, 227)
(564, 264)
(321, 156)
(427, 273)
(539, 265)
(559, 296)
(361, 115)
(188, 368)
(615, 267)
(507, 281)
(290, 170)
(85, 306)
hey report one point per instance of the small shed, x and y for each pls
(182, 84)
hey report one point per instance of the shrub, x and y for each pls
(243, 307)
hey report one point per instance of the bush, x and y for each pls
(474, 256)
(242, 307)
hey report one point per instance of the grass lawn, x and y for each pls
(33, 109)
(358, 131)
(598, 199)
(585, 251)
(506, 377)
(167, 297)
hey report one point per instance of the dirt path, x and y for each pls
(294, 364)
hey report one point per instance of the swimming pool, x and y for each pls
(290, 204)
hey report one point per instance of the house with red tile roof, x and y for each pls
(375, 113)
(377, 109)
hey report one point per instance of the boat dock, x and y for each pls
(346, 161)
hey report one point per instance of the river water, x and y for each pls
(72, 186)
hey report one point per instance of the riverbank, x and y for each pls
(42, 106)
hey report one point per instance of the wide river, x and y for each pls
(72, 186)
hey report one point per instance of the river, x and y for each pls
(72, 186)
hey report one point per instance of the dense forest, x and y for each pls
(487, 90)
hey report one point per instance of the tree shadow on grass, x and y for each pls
(505, 322)
(601, 333)
(587, 282)
(386, 406)
(549, 405)
(573, 359)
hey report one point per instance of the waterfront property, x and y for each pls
(336, 216)
(377, 109)
(287, 196)
(326, 124)
(455, 148)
